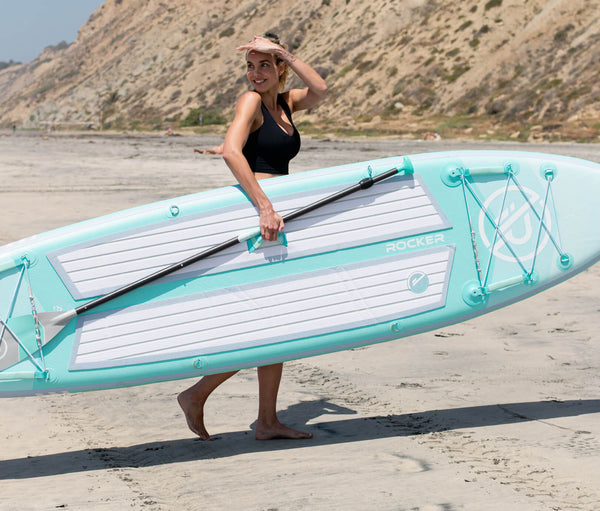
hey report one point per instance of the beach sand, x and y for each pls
(498, 413)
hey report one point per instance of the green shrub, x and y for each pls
(464, 26)
(561, 35)
(228, 32)
(493, 3)
(63, 45)
(4, 65)
(202, 117)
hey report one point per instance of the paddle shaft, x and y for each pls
(361, 185)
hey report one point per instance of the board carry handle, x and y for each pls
(7, 263)
(475, 294)
(452, 175)
(24, 375)
(54, 322)
(256, 242)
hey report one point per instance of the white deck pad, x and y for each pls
(281, 309)
(386, 211)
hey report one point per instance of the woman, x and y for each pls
(259, 144)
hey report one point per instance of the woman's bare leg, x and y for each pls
(268, 426)
(192, 401)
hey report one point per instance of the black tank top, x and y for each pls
(269, 149)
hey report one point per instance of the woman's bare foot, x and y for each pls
(192, 401)
(278, 430)
(194, 413)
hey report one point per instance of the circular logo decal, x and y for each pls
(519, 224)
(418, 282)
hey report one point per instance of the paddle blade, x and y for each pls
(54, 322)
(9, 348)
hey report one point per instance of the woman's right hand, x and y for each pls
(271, 224)
(261, 45)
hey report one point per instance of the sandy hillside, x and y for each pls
(147, 63)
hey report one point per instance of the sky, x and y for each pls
(28, 26)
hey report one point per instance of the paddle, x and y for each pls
(54, 322)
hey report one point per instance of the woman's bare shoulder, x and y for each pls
(250, 98)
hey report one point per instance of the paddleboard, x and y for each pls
(372, 251)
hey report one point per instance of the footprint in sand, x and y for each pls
(406, 464)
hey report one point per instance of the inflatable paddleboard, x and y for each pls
(371, 252)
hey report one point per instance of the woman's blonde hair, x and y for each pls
(274, 38)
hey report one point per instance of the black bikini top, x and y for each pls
(269, 149)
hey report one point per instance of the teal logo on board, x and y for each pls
(518, 222)
(418, 282)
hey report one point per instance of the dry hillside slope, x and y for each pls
(147, 62)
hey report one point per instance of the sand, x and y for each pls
(500, 412)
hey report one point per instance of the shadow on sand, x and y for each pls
(344, 430)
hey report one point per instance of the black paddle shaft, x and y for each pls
(361, 185)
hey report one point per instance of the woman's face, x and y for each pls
(262, 72)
